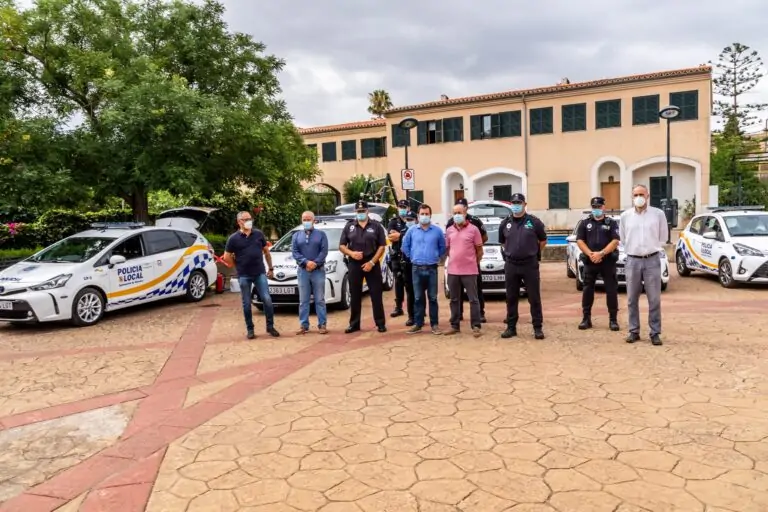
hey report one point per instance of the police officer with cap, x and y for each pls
(395, 232)
(598, 239)
(523, 237)
(484, 234)
(363, 241)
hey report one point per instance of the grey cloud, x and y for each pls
(418, 50)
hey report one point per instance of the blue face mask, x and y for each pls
(424, 219)
(597, 213)
(517, 208)
(307, 224)
(458, 218)
(410, 223)
(402, 212)
(362, 216)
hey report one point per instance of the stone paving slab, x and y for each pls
(371, 422)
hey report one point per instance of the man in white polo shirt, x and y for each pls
(643, 231)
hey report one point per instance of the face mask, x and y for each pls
(597, 213)
(517, 208)
(402, 212)
(307, 225)
(362, 216)
(458, 218)
(248, 224)
(410, 223)
(639, 201)
(424, 219)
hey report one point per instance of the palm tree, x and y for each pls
(380, 102)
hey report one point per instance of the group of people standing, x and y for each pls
(418, 247)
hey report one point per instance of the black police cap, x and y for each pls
(517, 197)
(410, 215)
(361, 205)
(463, 202)
(597, 201)
(403, 203)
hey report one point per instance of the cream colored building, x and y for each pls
(559, 145)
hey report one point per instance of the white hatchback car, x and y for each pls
(731, 243)
(284, 288)
(110, 267)
(575, 267)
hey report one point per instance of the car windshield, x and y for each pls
(747, 225)
(489, 210)
(76, 249)
(493, 234)
(284, 244)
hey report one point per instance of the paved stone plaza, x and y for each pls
(169, 408)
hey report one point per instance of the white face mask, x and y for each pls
(248, 224)
(639, 201)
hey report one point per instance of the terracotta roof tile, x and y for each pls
(346, 126)
(700, 70)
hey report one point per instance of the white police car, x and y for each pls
(110, 267)
(731, 243)
(284, 288)
(575, 267)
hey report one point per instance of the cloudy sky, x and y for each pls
(337, 51)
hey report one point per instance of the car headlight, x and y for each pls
(745, 250)
(330, 267)
(56, 282)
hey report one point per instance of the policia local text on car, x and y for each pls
(598, 239)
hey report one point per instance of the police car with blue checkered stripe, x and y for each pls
(111, 266)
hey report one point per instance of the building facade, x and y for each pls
(559, 145)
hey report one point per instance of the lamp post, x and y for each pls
(407, 125)
(669, 112)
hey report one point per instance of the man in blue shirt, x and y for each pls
(310, 248)
(424, 245)
(248, 249)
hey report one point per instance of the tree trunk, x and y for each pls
(140, 206)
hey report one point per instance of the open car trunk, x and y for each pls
(189, 217)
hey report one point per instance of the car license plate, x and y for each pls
(493, 277)
(620, 271)
(282, 290)
(6, 305)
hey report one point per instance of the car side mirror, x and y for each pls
(710, 235)
(116, 259)
(570, 238)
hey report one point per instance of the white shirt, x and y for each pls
(643, 233)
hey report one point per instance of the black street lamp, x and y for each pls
(407, 125)
(669, 112)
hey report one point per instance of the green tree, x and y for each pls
(738, 70)
(354, 187)
(380, 102)
(734, 175)
(169, 98)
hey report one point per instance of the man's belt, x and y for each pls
(644, 257)
(423, 267)
(518, 261)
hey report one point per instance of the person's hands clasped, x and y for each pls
(311, 265)
(596, 257)
(356, 255)
(368, 267)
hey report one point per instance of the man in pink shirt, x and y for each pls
(464, 247)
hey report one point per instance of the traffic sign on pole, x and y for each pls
(408, 179)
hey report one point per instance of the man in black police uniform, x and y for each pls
(395, 232)
(523, 237)
(363, 242)
(483, 233)
(598, 239)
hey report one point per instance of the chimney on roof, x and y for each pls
(564, 81)
(444, 97)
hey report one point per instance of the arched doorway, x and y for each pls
(498, 183)
(456, 184)
(322, 198)
(606, 181)
(685, 180)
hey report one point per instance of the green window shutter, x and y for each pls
(422, 132)
(495, 126)
(559, 196)
(348, 149)
(475, 127)
(454, 129)
(381, 147)
(329, 152)
(645, 109)
(688, 102)
(367, 148)
(510, 124)
(398, 139)
(439, 131)
(614, 114)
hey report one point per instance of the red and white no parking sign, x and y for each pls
(408, 179)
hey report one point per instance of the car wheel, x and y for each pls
(725, 274)
(88, 307)
(682, 267)
(570, 273)
(196, 286)
(389, 279)
(346, 296)
(664, 286)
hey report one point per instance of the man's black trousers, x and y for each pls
(606, 269)
(514, 274)
(375, 288)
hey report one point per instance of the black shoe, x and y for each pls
(461, 317)
(632, 337)
(613, 324)
(250, 335)
(482, 319)
(586, 323)
(382, 328)
(409, 322)
(538, 333)
(656, 340)
(273, 332)
(351, 329)
(510, 332)
(397, 312)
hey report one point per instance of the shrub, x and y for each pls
(17, 254)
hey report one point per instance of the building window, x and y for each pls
(657, 188)
(575, 117)
(329, 152)
(373, 148)
(494, 126)
(607, 114)
(645, 109)
(453, 129)
(430, 132)
(415, 198)
(541, 120)
(559, 196)
(348, 149)
(688, 102)
(400, 137)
